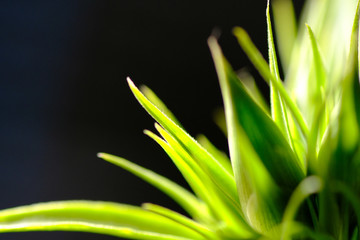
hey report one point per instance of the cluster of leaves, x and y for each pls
(293, 171)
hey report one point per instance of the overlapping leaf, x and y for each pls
(266, 138)
(185, 199)
(223, 209)
(96, 217)
(278, 107)
(220, 177)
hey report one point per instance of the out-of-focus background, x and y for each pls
(64, 97)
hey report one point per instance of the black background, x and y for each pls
(64, 96)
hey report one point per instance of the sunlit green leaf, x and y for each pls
(216, 172)
(158, 103)
(266, 138)
(317, 91)
(348, 122)
(278, 108)
(224, 208)
(250, 85)
(285, 28)
(220, 156)
(263, 68)
(97, 217)
(185, 199)
(177, 217)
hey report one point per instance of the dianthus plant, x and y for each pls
(294, 166)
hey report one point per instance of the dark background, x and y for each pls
(64, 97)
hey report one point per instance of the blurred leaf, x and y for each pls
(308, 186)
(348, 122)
(219, 119)
(96, 217)
(316, 89)
(328, 210)
(350, 195)
(253, 90)
(177, 217)
(285, 28)
(355, 235)
(278, 108)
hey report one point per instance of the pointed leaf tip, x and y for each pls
(213, 45)
(130, 82)
(146, 132)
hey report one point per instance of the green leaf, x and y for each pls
(219, 119)
(348, 122)
(264, 203)
(328, 212)
(224, 209)
(263, 68)
(278, 108)
(220, 156)
(355, 234)
(350, 195)
(316, 89)
(297, 230)
(208, 163)
(181, 219)
(285, 27)
(253, 90)
(343, 142)
(197, 180)
(149, 94)
(315, 143)
(179, 194)
(192, 173)
(97, 217)
(308, 186)
(266, 138)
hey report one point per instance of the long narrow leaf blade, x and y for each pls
(219, 155)
(98, 217)
(349, 122)
(149, 94)
(318, 86)
(179, 194)
(197, 180)
(266, 138)
(278, 108)
(177, 217)
(263, 68)
(250, 84)
(285, 27)
(220, 205)
(213, 168)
